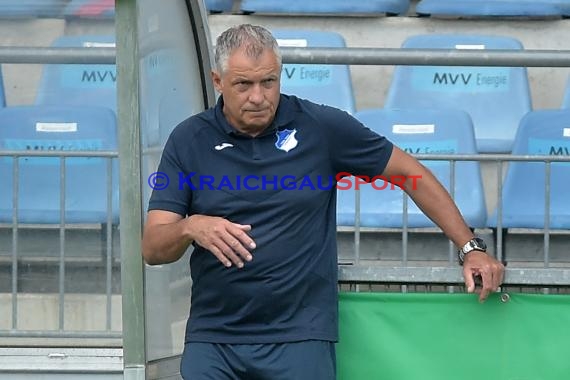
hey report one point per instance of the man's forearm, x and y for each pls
(434, 200)
(165, 243)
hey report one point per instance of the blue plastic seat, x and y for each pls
(339, 7)
(326, 84)
(97, 9)
(31, 8)
(435, 131)
(492, 8)
(219, 5)
(79, 84)
(544, 132)
(47, 128)
(496, 98)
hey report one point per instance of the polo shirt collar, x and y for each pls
(283, 116)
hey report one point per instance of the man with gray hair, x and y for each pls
(252, 202)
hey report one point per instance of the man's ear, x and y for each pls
(217, 81)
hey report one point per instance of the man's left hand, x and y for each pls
(491, 271)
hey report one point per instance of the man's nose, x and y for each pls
(256, 95)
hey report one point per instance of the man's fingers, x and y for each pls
(499, 276)
(235, 244)
(220, 256)
(488, 283)
(242, 236)
(244, 227)
(229, 242)
(469, 280)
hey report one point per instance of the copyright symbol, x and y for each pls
(158, 181)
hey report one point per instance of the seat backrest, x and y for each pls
(326, 84)
(333, 7)
(87, 180)
(31, 8)
(219, 5)
(490, 8)
(98, 9)
(544, 132)
(79, 84)
(436, 131)
(496, 98)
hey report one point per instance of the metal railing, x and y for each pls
(450, 274)
(63, 257)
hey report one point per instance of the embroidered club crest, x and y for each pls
(286, 139)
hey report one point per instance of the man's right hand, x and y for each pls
(228, 241)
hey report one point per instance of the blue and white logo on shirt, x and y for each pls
(286, 139)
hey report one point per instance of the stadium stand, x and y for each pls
(495, 97)
(543, 132)
(333, 7)
(2, 96)
(31, 8)
(326, 84)
(98, 9)
(491, 8)
(566, 99)
(218, 6)
(79, 84)
(434, 131)
(58, 128)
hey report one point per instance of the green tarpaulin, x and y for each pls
(410, 336)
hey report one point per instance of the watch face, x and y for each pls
(474, 244)
(479, 244)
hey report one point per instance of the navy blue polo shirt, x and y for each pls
(282, 183)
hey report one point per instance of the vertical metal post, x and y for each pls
(547, 175)
(405, 226)
(62, 195)
(15, 200)
(356, 230)
(109, 245)
(132, 268)
(500, 255)
(405, 234)
(452, 169)
(357, 226)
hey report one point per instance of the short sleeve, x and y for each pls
(169, 194)
(354, 148)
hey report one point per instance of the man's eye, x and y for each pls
(269, 82)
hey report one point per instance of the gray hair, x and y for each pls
(255, 39)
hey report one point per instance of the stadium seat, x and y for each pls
(544, 132)
(79, 84)
(566, 99)
(219, 5)
(435, 131)
(337, 7)
(491, 8)
(31, 8)
(53, 128)
(495, 97)
(2, 96)
(326, 84)
(98, 9)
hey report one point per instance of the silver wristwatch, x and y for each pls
(475, 244)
